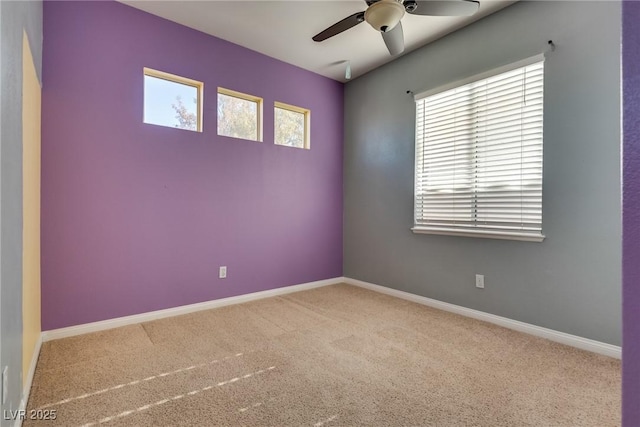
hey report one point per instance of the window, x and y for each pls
(239, 115)
(172, 101)
(479, 155)
(291, 125)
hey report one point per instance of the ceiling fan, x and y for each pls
(385, 16)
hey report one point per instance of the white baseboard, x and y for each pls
(27, 385)
(176, 311)
(550, 334)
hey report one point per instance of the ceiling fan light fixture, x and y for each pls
(384, 15)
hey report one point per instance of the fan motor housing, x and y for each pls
(384, 15)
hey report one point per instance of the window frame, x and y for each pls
(307, 123)
(247, 97)
(174, 78)
(480, 232)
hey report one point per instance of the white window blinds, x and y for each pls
(479, 156)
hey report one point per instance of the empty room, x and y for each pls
(320, 213)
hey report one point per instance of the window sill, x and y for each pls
(239, 138)
(480, 234)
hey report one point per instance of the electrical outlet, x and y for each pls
(223, 272)
(5, 384)
(480, 281)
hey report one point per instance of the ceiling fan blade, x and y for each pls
(394, 39)
(442, 7)
(338, 27)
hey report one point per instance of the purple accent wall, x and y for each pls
(137, 217)
(631, 215)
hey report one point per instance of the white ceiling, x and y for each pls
(283, 29)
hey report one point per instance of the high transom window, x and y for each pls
(172, 101)
(239, 115)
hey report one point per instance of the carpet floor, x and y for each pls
(332, 356)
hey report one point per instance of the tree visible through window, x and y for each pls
(172, 101)
(187, 118)
(239, 115)
(291, 126)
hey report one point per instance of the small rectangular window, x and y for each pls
(479, 155)
(172, 101)
(291, 125)
(239, 115)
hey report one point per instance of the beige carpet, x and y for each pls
(332, 356)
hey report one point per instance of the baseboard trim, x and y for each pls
(27, 386)
(550, 334)
(86, 328)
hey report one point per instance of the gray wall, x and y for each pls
(570, 282)
(14, 17)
